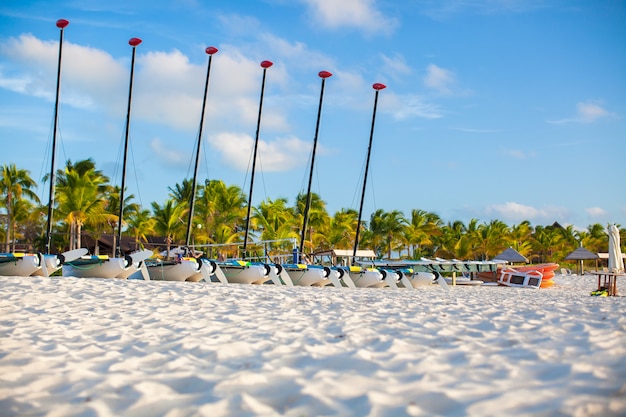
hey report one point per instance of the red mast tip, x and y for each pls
(62, 23)
(211, 50)
(379, 86)
(325, 74)
(266, 64)
(134, 41)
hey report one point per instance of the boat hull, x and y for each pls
(305, 275)
(20, 266)
(185, 270)
(239, 272)
(364, 278)
(96, 267)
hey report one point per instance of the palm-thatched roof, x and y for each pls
(511, 255)
(581, 254)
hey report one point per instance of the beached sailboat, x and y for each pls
(308, 275)
(25, 264)
(187, 268)
(103, 266)
(301, 274)
(97, 266)
(362, 276)
(241, 271)
(174, 270)
(19, 264)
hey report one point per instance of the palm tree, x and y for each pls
(82, 197)
(220, 209)
(14, 183)
(141, 225)
(181, 193)
(340, 231)
(520, 238)
(491, 238)
(33, 225)
(386, 229)
(113, 209)
(453, 241)
(168, 221)
(21, 214)
(421, 230)
(276, 221)
(595, 239)
(545, 239)
(317, 217)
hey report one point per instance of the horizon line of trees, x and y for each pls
(86, 203)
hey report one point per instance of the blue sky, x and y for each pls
(494, 109)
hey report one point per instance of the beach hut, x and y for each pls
(512, 256)
(581, 254)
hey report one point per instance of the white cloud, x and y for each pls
(596, 212)
(590, 112)
(439, 79)
(360, 14)
(167, 86)
(516, 212)
(279, 155)
(516, 153)
(406, 106)
(168, 154)
(396, 66)
(90, 78)
(586, 112)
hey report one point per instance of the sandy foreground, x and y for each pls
(94, 347)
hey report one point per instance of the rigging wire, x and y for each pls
(245, 178)
(46, 162)
(132, 157)
(206, 161)
(262, 176)
(369, 186)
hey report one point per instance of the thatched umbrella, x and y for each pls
(511, 255)
(581, 254)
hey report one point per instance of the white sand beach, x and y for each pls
(95, 347)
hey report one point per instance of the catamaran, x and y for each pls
(102, 266)
(26, 264)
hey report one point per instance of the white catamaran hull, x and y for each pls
(20, 266)
(422, 279)
(364, 278)
(186, 270)
(245, 273)
(90, 267)
(306, 276)
(54, 262)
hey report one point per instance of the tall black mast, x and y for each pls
(323, 75)
(377, 87)
(265, 65)
(61, 24)
(134, 42)
(192, 200)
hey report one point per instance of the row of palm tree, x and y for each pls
(86, 203)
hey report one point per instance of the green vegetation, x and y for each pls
(86, 204)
